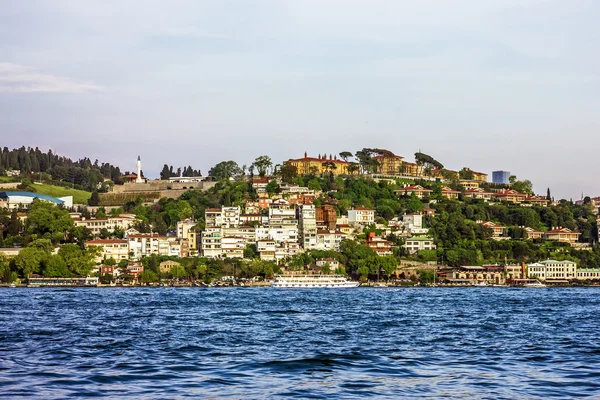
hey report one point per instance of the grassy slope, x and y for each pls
(79, 196)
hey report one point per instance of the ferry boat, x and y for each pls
(536, 284)
(313, 281)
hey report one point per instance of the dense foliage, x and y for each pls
(83, 172)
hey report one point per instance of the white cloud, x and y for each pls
(23, 79)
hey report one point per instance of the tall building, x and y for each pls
(307, 227)
(500, 177)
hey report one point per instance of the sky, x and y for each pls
(488, 84)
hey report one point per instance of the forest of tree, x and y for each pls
(36, 164)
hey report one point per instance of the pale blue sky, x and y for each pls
(490, 84)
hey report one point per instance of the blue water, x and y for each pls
(267, 343)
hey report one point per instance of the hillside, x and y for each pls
(79, 196)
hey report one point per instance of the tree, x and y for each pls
(29, 261)
(353, 168)
(225, 170)
(178, 272)
(110, 261)
(426, 160)
(363, 272)
(148, 276)
(466, 173)
(262, 164)
(388, 264)
(548, 197)
(523, 186)
(367, 161)
(272, 187)
(79, 262)
(45, 217)
(288, 172)
(56, 267)
(345, 155)
(94, 199)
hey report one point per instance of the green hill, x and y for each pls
(79, 196)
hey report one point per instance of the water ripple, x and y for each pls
(456, 343)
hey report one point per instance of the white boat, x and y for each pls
(481, 283)
(536, 284)
(313, 281)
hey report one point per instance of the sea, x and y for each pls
(255, 343)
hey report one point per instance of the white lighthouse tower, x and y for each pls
(139, 171)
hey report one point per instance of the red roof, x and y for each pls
(363, 209)
(106, 241)
(326, 232)
(449, 190)
(416, 188)
(321, 160)
(562, 230)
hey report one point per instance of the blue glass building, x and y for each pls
(500, 177)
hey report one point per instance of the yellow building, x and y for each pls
(411, 169)
(389, 164)
(480, 176)
(311, 165)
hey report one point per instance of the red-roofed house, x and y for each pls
(536, 200)
(510, 195)
(379, 245)
(498, 230)
(418, 190)
(562, 235)
(478, 193)
(450, 193)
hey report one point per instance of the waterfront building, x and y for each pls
(501, 177)
(587, 274)
(166, 266)
(491, 274)
(552, 270)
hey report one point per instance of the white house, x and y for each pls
(361, 216)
